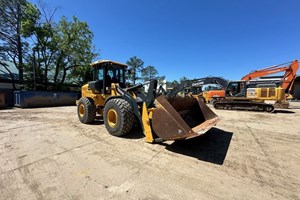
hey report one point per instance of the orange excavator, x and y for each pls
(288, 78)
(250, 94)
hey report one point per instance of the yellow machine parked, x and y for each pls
(250, 95)
(160, 117)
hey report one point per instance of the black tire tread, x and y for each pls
(126, 116)
(90, 110)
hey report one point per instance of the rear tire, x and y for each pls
(86, 110)
(118, 117)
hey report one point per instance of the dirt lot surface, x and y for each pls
(45, 153)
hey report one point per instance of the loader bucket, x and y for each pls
(180, 118)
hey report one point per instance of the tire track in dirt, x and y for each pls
(274, 166)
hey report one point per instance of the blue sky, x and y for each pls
(192, 38)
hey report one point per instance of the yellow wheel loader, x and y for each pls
(161, 118)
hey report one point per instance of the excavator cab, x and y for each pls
(161, 117)
(236, 89)
(254, 90)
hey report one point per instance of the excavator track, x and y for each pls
(243, 105)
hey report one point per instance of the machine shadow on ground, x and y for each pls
(135, 133)
(6, 108)
(98, 121)
(283, 111)
(211, 147)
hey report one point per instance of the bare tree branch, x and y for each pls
(12, 40)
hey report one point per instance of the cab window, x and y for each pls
(100, 74)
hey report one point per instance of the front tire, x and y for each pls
(86, 110)
(118, 117)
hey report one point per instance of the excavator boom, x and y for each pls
(288, 78)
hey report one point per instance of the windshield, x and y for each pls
(116, 73)
(113, 72)
(209, 87)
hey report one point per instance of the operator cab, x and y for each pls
(106, 72)
(211, 86)
(236, 89)
(239, 88)
(196, 90)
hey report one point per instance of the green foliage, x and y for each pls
(30, 19)
(11, 44)
(149, 73)
(57, 53)
(182, 79)
(172, 84)
(136, 65)
(161, 80)
(75, 50)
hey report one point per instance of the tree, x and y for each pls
(136, 65)
(161, 80)
(182, 79)
(75, 50)
(61, 51)
(57, 52)
(11, 44)
(149, 73)
(172, 84)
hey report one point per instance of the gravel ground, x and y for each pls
(46, 153)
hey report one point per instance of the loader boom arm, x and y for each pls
(288, 78)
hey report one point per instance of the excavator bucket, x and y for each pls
(180, 118)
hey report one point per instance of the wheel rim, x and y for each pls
(81, 110)
(112, 118)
